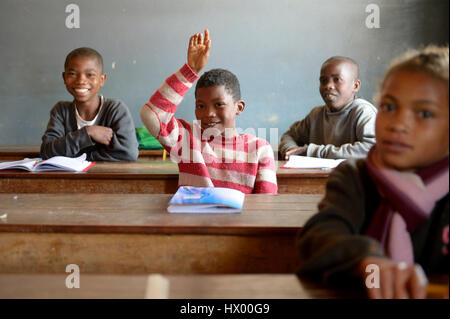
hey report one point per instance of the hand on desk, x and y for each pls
(100, 134)
(397, 280)
(301, 150)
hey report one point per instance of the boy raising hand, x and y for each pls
(209, 152)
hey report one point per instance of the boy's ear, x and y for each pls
(356, 85)
(102, 79)
(240, 107)
(64, 79)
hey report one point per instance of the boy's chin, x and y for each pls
(83, 99)
(334, 107)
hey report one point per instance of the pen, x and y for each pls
(37, 161)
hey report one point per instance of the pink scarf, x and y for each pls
(407, 202)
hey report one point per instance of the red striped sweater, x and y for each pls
(243, 162)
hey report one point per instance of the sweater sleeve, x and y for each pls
(158, 114)
(297, 135)
(266, 177)
(365, 135)
(55, 141)
(331, 245)
(123, 145)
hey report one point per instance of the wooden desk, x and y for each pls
(242, 286)
(133, 233)
(19, 152)
(142, 177)
(146, 155)
(235, 286)
(301, 181)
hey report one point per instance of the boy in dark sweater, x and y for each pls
(100, 127)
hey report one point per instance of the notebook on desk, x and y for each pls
(189, 199)
(56, 163)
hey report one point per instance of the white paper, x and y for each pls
(297, 161)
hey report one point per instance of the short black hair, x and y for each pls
(218, 77)
(87, 52)
(352, 62)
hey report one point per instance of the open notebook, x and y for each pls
(297, 161)
(56, 163)
(189, 199)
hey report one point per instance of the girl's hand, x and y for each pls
(396, 280)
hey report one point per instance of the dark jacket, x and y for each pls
(333, 243)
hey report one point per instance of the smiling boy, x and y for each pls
(211, 154)
(344, 127)
(100, 127)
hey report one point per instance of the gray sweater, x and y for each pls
(348, 133)
(63, 138)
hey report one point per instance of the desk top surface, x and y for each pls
(139, 213)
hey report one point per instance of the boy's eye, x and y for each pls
(220, 104)
(425, 114)
(337, 79)
(199, 106)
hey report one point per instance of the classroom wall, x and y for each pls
(275, 47)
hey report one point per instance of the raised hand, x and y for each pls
(100, 134)
(198, 51)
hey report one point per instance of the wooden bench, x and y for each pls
(234, 286)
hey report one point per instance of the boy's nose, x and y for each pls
(211, 112)
(329, 84)
(81, 78)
